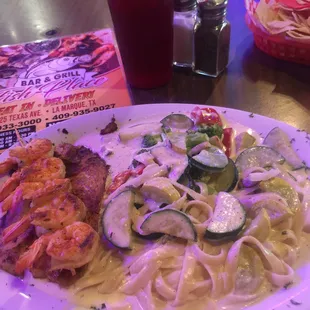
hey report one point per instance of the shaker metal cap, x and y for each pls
(184, 5)
(207, 5)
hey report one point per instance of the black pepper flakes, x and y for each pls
(295, 303)
(109, 153)
(292, 140)
(224, 112)
(65, 131)
(31, 284)
(251, 115)
(284, 232)
(287, 285)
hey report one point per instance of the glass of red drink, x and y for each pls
(144, 32)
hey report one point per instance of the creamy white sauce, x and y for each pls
(123, 152)
(120, 159)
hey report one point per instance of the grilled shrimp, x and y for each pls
(33, 190)
(35, 149)
(35, 251)
(40, 193)
(58, 212)
(7, 165)
(9, 186)
(69, 248)
(43, 169)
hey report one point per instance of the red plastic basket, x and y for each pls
(276, 45)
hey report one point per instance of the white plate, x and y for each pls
(21, 294)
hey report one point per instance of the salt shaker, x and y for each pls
(183, 32)
(211, 38)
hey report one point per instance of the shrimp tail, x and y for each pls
(12, 200)
(27, 259)
(13, 231)
(8, 165)
(9, 186)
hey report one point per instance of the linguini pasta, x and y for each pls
(177, 272)
(173, 273)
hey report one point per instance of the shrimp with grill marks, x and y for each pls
(69, 248)
(52, 207)
(8, 165)
(32, 151)
(43, 169)
(32, 190)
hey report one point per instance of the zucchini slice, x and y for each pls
(177, 141)
(279, 140)
(175, 161)
(160, 190)
(284, 189)
(170, 222)
(226, 180)
(228, 218)
(258, 156)
(213, 159)
(116, 220)
(178, 122)
(244, 140)
(153, 236)
(187, 179)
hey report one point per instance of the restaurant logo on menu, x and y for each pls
(50, 66)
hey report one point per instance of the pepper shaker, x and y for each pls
(211, 38)
(183, 32)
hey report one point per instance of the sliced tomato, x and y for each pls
(119, 180)
(227, 140)
(123, 177)
(207, 116)
(138, 170)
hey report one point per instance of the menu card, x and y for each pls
(46, 82)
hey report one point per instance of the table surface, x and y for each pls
(253, 81)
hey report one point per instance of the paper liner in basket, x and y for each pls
(272, 18)
(277, 44)
(295, 4)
